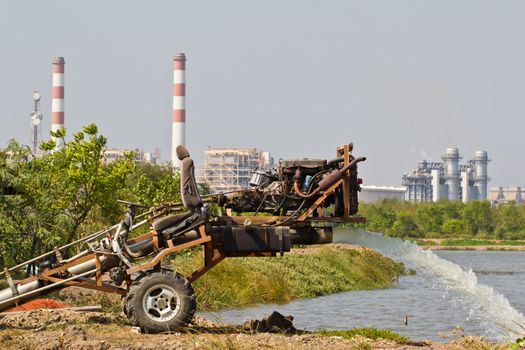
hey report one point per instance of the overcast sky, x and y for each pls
(403, 80)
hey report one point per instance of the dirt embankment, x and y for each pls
(56, 330)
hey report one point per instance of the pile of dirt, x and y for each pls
(40, 304)
(77, 296)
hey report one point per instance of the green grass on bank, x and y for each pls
(238, 282)
(461, 242)
(370, 333)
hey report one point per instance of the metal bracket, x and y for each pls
(60, 260)
(11, 283)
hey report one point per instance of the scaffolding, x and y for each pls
(230, 169)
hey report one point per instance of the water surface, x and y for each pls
(443, 299)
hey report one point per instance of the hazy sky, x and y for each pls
(401, 79)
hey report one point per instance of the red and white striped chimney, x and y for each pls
(179, 106)
(57, 104)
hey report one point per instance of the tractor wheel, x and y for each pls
(160, 301)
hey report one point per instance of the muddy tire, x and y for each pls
(160, 301)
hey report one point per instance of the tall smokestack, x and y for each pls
(57, 106)
(481, 179)
(179, 106)
(452, 175)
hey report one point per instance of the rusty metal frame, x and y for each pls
(346, 182)
(319, 201)
(156, 261)
(213, 253)
(89, 284)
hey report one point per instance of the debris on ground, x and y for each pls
(64, 329)
(275, 323)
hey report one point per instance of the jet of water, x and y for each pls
(495, 308)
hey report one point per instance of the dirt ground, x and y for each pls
(56, 329)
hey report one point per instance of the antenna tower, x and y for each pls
(36, 124)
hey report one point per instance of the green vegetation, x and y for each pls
(64, 195)
(370, 333)
(248, 281)
(518, 344)
(461, 242)
(239, 282)
(474, 220)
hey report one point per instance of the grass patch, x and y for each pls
(238, 282)
(370, 333)
(425, 242)
(479, 242)
(462, 242)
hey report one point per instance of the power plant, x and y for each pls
(507, 194)
(448, 180)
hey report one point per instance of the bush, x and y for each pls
(444, 219)
(452, 227)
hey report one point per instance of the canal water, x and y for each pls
(454, 292)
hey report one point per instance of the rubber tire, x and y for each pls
(133, 301)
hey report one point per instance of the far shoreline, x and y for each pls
(519, 248)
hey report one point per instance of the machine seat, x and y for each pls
(161, 224)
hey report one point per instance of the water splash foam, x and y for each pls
(492, 306)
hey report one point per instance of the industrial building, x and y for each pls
(112, 155)
(448, 180)
(372, 193)
(504, 195)
(230, 169)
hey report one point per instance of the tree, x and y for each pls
(452, 227)
(157, 185)
(379, 217)
(509, 220)
(405, 226)
(429, 218)
(477, 217)
(58, 192)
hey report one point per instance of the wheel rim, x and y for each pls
(161, 303)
